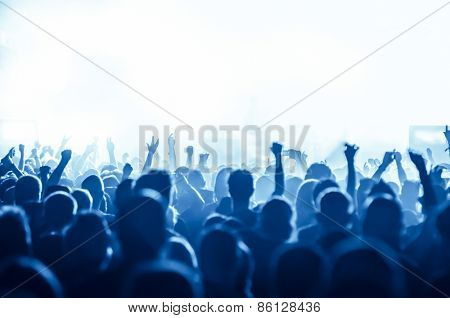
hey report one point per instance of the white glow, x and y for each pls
(227, 62)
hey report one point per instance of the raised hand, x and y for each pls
(398, 157)
(21, 149)
(190, 150)
(203, 158)
(171, 141)
(276, 148)
(66, 155)
(388, 158)
(153, 145)
(126, 171)
(418, 161)
(110, 145)
(44, 171)
(350, 152)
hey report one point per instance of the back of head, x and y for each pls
(25, 277)
(162, 280)
(158, 180)
(360, 271)
(94, 185)
(15, 236)
(277, 219)
(240, 184)
(322, 186)
(219, 256)
(383, 219)
(28, 188)
(335, 207)
(221, 183)
(178, 249)
(59, 210)
(83, 198)
(299, 271)
(142, 227)
(304, 205)
(55, 188)
(88, 238)
(319, 171)
(195, 178)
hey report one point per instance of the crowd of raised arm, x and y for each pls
(71, 226)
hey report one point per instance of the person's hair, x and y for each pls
(163, 279)
(24, 277)
(158, 180)
(277, 219)
(15, 234)
(28, 188)
(59, 210)
(142, 229)
(88, 240)
(83, 198)
(240, 184)
(299, 271)
(335, 207)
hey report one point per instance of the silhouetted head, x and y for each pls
(382, 188)
(240, 184)
(299, 271)
(55, 188)
(95, 186)
(220, 257)
(361, 271)
(124, 192)
(335, 207)
(383, 219)
(319, 171)
(59, 210)
(158, 180)
(195, 178)
(15, 234)
(305, 203)
(25, 277)
(142, 229)
(165, 279)
(110, 181)
(322, 186)
(5, 184)
(83, 198)
(178, 249)
(221, 184)
(88, 239)
(28, 188)
(277, 220)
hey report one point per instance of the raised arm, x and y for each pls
(151, 152)
(8, 163)
(126, 171)
(112, 156)
(56, 175)
(350, 152)
(22, 157)
(447, 137)
(401, 172)
(203, 159)
(190, 154)
(172, 155)
(279, 172)
(387, 160)
(429, 198)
